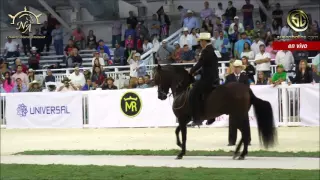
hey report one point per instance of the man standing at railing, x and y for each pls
(163, 55)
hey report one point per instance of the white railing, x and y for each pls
(289, 105)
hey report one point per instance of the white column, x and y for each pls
(285, 104)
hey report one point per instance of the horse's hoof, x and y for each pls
(178, 157)
(235, 155)
(241, 158)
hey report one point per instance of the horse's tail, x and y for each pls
(264, 115)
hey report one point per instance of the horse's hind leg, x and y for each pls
(236, 153)
(245, 133)
(183, 128)
(177, 136)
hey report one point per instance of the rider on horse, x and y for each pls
(208, 63)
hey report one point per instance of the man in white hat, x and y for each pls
(191, 21)
(185, 38)
(34, 59)
(236, 22)
(208, 63)
(239, 76)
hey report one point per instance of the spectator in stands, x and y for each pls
(164, 23)
(19, 86)
(262, 59)
(18, 62)
(49, 77)
(298, 56)
(154, 28)
(285, 58)
(286, 31)
(92, 40)
(275, 28)
(280, 76)
(247, 11)
(225, 23)
(207, 26)
(249, 69)
(247, 51)
(222, 44)
(147, 45)
(187, 55)
(97, 60)
(230, 69)
(76, 58)
(255, 46)
(234, 37)
(4, 67)
(129, 32)
(129, 43)
(220, 11)
(46, 31)
(20, 75)
(105, 47)
(239, 45)
(197, 53)
(250, 32)
(87, 74)
(259, 31)
(11, 48)
(262, 79)
(31, 75)
(108, 84)
(88, 86)
(218, 25)
(57, 35)
(304, 74)
(97, 76)
(272, 52)
(8, 83)
(25, 43)
(137, 68)
(238, 75)
(34, 86)
(231, 11)
(141, 30)
(207, 12)
(69, 47)
(105, 57)
(194, 39)
(239, 25)
(277, 15)
(185, 38)
(132, 20)
(119, 56)
(67, 85)
(268, 37)
(39, 43)
(183, 13)
(176, 54)
(78, 37)
(191, 21)
(141, 83)
(116, 31)
(148, 81)
(163, 55)
(139, 44)
(316, 68)
(77, 78)
(34, 59)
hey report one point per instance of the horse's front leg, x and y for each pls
(177, 136)
(183, 128)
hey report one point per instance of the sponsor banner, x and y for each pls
(129, 108)
(44, 110)
(267, 93)
(142, 108)
(309, 104)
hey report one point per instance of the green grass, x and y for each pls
(64, 172)
(260, 153)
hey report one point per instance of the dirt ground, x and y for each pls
(17, 140)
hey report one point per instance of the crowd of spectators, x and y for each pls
(246, 40)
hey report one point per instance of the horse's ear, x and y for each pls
(159, 67)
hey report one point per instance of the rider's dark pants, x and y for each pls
(198, 89)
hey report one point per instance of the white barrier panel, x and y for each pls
(309, 109)
(267, 93)
(129, 108)
(44, 110)
(142, 108)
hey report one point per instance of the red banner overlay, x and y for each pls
(297, 45)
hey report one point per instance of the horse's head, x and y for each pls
(174, 77)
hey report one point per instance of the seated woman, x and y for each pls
(176, 54)
(304, 74)
(34, 86)
(108, 84)
(262, 79)
(280, 76)
(141, 83)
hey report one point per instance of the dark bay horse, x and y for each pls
(234, 99)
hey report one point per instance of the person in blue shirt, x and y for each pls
(103, 46)
(222, 44)
(88, 86)
(130, 31)
(191, 21)
(141, 83)
(238, 47)
(19, 86)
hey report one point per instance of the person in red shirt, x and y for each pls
(78, 37)
(140, 44)
(17, 63)
(34, 59)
